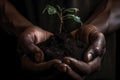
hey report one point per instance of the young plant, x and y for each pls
(63, 13)
(61, 45)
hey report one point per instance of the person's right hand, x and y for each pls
(27, 45)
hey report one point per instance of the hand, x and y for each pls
(93, 55)
(27, 46)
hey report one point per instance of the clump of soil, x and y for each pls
(59, 46)
(62, 45)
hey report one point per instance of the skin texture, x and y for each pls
(105, 20)
(28, 37)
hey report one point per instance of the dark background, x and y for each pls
(10, 64)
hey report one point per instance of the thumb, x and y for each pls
(30, 49)
(89, 55)
(96, 48)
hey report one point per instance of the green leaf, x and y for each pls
(51, 10)
(71, 10)
(74, 17)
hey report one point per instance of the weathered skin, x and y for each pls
(106, 19)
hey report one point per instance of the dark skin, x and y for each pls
(105, 19)
(106, 22)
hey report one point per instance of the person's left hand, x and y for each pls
(93, 55)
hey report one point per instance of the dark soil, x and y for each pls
(62, 45)
(58, 47)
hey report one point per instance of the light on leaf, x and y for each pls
(71, 10)
(50, 9)
(74, 17)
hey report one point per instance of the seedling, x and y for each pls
(62, 44)
(63, 14)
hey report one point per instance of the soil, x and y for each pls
(62, 45)
(58, 47)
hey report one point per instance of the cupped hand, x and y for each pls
(27, 45)
(91, 62)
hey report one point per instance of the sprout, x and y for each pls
(60, 12)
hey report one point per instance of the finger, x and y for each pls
(73, 74)
(96, 47)
(29, 39)
(82, 66)
(27, 63)
(33, 51)
(94, 52)
(61, 67)
(89, 55)
(27, 46)
(65, 68)
(97, 43)
(36, 53)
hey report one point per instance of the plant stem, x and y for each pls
(61, 22)
(60, 15)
